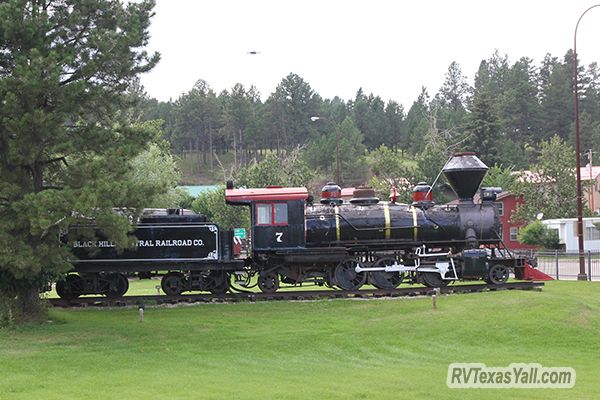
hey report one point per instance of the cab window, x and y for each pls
(271, 214)
(280, 214)
(263, 214)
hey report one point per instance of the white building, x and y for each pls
(567, 233)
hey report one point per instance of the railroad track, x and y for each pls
(286, 295)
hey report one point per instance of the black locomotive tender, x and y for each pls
(295, 241)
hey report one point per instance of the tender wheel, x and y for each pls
(433, 279)
(71, 287)
(268, 282)
(346, 277)
(386, 280)
(498, 274)
(220, 282)
(172, 283)
(118, 284)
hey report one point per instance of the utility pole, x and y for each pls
(582, 275)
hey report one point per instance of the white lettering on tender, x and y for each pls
(93, 243)
(141, 243)
(178, 243)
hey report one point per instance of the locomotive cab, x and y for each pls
(277, 215)
(278, 224)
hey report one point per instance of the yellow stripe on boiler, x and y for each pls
(337, 223)
(386, 213)
(415, 226)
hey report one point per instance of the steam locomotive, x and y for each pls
(295, 240)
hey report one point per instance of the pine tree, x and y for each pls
(484, 129)
(455, 89)
(65, 66)
(556, 101)
(241, 117)
(394, 128)
(519, 112)
(416, 124)
(290, 109)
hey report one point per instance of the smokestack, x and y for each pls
(464, 172)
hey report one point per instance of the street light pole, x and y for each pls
(582, 275)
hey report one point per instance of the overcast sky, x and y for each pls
(389, 48)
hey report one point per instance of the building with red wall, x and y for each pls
(507, 203)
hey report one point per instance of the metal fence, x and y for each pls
(565, 265)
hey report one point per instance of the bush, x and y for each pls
(538, 234)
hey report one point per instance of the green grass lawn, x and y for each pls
(330, 349)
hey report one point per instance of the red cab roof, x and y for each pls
(246, 196)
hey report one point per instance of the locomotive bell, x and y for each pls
(331, 193)
(464, 172)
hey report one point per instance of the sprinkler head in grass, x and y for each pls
(141, 312)
(436, 292)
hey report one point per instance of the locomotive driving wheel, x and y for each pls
(172, 283)
(268, 281)
(433, 279)
(117, 285)
(346, 277)
(498, 274)
(383, 279)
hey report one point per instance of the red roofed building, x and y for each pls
(590, 176)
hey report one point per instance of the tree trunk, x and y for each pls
(234, 150)
(242, 145)
(210, 145)
(278, 143)
(26, 306)
(37, 173)
(6, 309)
(28, 301)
